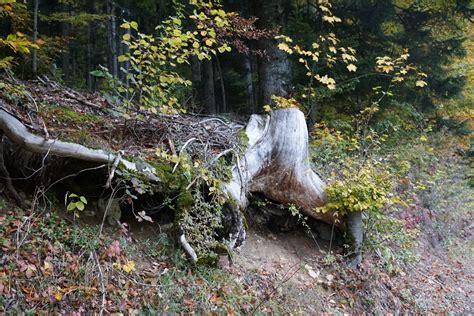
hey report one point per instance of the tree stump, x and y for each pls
(276, 165)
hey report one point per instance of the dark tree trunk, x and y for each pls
(249, 83)
(208, 87)
(196, 79)
(34, 52)
(274, 68)
(112, 39)
(89, 66)
(65, 28)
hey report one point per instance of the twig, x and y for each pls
(102, 286)
(114, 167)
(181, 151)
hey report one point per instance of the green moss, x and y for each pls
(185, 200)
(208, 259)
(68, 115)
(243, 138)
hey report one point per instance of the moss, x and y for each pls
(68, 115)
(243, 138)
(208, 259)
(185, 200)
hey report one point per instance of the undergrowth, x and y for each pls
(50, 265)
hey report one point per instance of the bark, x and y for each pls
(274, 67)
(355, 231)
(276, 165)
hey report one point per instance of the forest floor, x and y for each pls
(47, 264)
(54, 263)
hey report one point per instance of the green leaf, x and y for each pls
(125, 25)
(126, 37)
(83, 199)
(79, 205)
(71, 206)
(97, 73)
(134, 25)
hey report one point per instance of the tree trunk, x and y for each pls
(196, 79)
(249, 82)
(208, 87)
(222, 86)
(112, 37)
(356, 234)
(274, 67)
(89, 77)
(276, 165)
(34, 52)
(65, 50)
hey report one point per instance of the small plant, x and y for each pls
(75, 203)
(329, 259)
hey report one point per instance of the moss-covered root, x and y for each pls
(355, 231)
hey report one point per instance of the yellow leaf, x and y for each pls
(423, 138)
(58, 296)
(420, 83)
(209, 42)
(351, 67)
(47, 268)
(129, 266)
(387, 68)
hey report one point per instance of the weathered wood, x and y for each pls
(276, 165)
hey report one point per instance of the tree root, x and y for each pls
(187, 247)
(20, 135)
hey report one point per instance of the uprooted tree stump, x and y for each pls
(275, 164)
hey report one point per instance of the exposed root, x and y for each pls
(187, 247)
(20, 135)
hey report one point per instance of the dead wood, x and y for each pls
(276, 165)
(20, 135)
